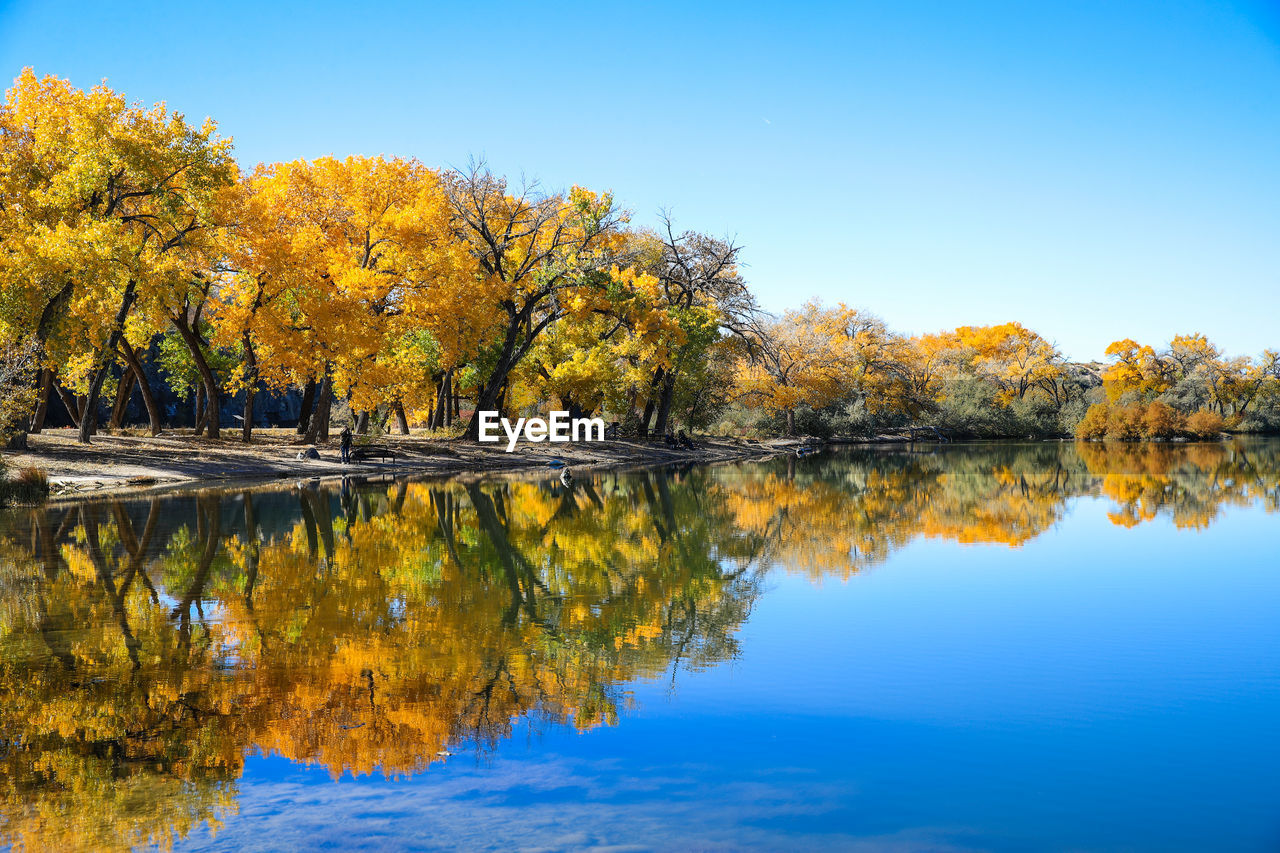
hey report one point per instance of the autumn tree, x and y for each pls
(1014, 358)
(534, 250)
(821, 355)
(1136, 369)
(104, 198)
(702, 291)
(348, 272)
(1191, 374)
(598, 361)
(785, 366)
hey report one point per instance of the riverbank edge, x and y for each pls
(139, 474)
(113, 468)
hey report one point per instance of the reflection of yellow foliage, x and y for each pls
(144, 650)
(367, 638)
(350, 266)
(1188, 483)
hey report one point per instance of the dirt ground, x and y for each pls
(136, 462)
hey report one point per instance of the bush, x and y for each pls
(1070, 415)
(33, 478)
(1125, 423)
(1264, 421)
(811, 422)
(970, 408)
(1204, 424)
(30, 486)
(1094, 423)
(1034, 415)
(1161, 421)
(854, 419)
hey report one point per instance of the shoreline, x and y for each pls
(123, 463)
(131, 464)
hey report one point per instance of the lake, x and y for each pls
(981, 647)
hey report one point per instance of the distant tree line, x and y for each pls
(133, 247)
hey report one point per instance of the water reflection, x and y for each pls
(147, 647)
(837, 514)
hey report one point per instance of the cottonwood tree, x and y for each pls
(347, 272)
(702, 290)
(534, 249)
(102, 199)
(820, 355)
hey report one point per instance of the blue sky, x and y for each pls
(1095, 170)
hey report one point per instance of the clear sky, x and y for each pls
(1094, 169)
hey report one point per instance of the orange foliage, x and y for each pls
(1204, 424)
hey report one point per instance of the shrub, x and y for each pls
(30, 486)
(1204, 424)
(970, 408)
(1161, 421)
(854, 419)
(1265, 421)
(1094, 423)
(1070, 415)
(1034, 415)
(33, 477)
(1125, 423)
(811, 422)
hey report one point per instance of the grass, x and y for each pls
(29, 486)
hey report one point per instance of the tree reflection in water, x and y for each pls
(148, 646)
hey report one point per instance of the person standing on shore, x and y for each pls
(345, 444)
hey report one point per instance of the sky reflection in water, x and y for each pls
(983, 647)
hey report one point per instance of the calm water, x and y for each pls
(1002, 647)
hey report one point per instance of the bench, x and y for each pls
(369, 451)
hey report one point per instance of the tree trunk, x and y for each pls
(250, 389)
(488, 394)
(501, 403)
(200, 409)
(437, 411)
(362, 423)
(325, 415)
(450, 400)
(320, 418)
(664, 403)
(486, 401)
(148, 396)
(442, 403)
(42, 404)
(308, 406)
(791, 422)
(123, 391)
(68, 401)
(246, 428)
(90, 419)
(402, 421)
(649, 403)
(213, 397)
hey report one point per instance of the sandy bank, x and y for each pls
(128, 462)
